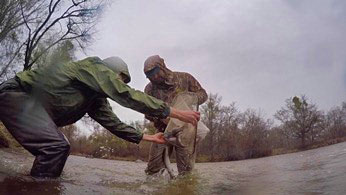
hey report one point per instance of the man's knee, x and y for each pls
(65, 147)
(65, 144)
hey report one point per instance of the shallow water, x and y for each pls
(318, 171)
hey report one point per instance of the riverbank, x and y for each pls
(320, 144)
(7, 141)
(279, 151)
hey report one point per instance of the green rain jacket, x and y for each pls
(69, 91)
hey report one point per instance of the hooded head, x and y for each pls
(156, 71)
(119, 67)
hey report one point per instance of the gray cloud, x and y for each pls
(256, 53)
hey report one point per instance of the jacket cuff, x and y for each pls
(166, 112)
(140, 138)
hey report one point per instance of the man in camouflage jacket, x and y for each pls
(35, 103)
(165, 85)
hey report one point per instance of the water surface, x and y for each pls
(318, 171)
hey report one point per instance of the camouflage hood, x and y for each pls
(156, 61)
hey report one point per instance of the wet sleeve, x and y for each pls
(108, 84)
(102, 112)
(195, 87)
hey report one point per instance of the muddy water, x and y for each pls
(318, 171)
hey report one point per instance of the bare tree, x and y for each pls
(226, 138)
(280, 138)
(255, 133)
(211, 112)
(59, 21)
(10, 16)
(299, 117)
(11, 32)
(28, 29)
(335, 122)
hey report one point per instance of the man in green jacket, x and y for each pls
(35, 103)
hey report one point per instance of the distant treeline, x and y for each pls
(233, 135)
(236, 135)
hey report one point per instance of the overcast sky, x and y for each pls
(256, 53)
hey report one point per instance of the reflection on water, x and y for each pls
(189, 184)
(319, 171)
(29, 186)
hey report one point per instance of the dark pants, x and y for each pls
(29, 123)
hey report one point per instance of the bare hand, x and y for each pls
(190, 117)
(156, 138)
(159, 138)
(187, 116)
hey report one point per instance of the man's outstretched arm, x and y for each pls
(102, 112)
(186, 116)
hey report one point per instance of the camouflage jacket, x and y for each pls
(178, 82)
